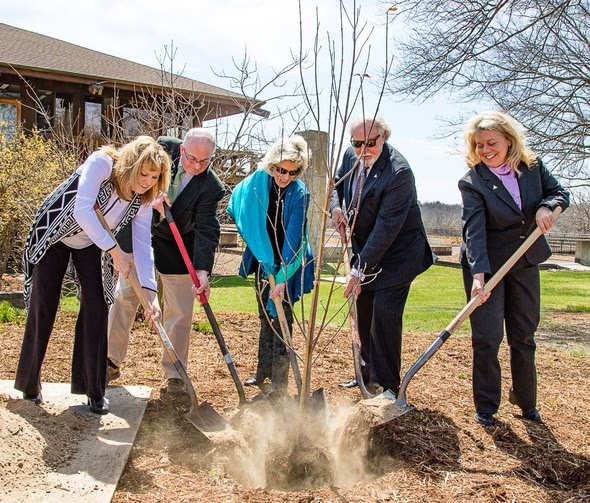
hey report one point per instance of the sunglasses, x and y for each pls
(371, 142)
(282, 171)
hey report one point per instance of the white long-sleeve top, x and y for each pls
(93, 172)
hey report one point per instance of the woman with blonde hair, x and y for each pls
(270, 211)
(67, 237)
(506, 193)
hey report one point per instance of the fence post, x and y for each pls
(583, 252)
(315, 178)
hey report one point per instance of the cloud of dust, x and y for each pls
(265, 449)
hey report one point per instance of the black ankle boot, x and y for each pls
(35, 398)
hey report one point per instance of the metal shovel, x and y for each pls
(317, 400)
(202, 415)
(401, 407)
(210, 316)
(353, 318)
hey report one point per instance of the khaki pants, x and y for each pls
(178, 314)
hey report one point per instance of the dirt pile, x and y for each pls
(33, 439)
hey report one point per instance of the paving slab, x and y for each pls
(94, 471)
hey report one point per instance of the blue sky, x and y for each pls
(209, 33)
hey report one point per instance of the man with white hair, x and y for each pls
(193, 196)
(376, 197)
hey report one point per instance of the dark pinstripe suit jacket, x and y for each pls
(389, 236)
(493, 225)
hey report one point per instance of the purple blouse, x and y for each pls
(508, 177)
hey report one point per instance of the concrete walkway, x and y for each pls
(94, 471)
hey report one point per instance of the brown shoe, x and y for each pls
(113, 373)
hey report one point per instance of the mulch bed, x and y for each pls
(435, 453)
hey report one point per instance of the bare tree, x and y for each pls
(345, 58)
(530, 58)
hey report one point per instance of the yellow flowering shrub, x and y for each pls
(30, 168)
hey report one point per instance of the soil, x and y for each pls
(436, 452)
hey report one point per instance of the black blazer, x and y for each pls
(195, 214)
(389, 236)
(493, 225)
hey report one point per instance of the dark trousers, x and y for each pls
(273, 361)
(515, 303)
(380, 316)
(90, 335)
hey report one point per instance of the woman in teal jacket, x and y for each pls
(270, 211)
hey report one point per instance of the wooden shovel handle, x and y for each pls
(286, 334)
(498, 276)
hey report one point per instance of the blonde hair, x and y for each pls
(128, 162)
(292, 149)
(508, 127)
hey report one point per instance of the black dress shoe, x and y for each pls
(253, 381)
(532, 415)
(484, 418)
(35, 398)
(349, 384)
(98, 406)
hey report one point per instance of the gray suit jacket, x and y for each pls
(388, 239)
(493, 225)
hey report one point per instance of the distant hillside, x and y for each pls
(445, 219)
(441, 219)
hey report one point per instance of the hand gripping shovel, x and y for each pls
(203, 416)
(401, 407)
(213, 322)
(318, 398)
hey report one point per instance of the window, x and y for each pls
(9, 116)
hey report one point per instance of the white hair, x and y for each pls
(378, 123)
(292, 149)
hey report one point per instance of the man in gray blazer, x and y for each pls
(193, 196)
(376, 197)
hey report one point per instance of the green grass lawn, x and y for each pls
(436, 297)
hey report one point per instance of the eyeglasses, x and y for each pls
(282, 171)
(192, 158)
(371, 142)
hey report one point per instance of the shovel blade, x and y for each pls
(318, 403)
(383, 409)
(206, 419)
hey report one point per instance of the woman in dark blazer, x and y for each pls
(506, 193)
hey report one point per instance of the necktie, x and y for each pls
(358, 190)
(173, 190)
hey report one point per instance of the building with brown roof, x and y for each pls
(51, 83)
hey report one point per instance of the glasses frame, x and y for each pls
(369, 142)
(282, 171)
(194, 160)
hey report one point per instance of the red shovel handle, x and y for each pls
(183, 252)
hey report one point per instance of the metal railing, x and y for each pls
(560, 242)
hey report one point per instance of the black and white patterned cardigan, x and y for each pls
(55, 221)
